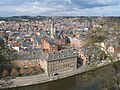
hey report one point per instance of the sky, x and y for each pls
(59, 7)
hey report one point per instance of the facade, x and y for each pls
(48, 45)
(52, 63)
(85, 55)
(56, 67)
(59, 61)
(82, 56)
(27, 59)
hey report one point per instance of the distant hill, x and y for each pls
(28, 18)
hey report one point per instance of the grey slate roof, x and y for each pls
(84, 51)
(52, 56)
(59, 55)
(38, 39)
(32, 54)
(50, 41)
(25, 44)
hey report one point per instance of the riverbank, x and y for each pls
(42, 78)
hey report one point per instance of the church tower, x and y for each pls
(52, 30)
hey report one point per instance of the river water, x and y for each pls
(85, 81)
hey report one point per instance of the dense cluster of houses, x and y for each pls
(55, 46)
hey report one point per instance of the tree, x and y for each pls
(29, 68)
(99, 41)
(22, 71)
(5, 73)
(37, 68)
(7, 55)
(14, 72)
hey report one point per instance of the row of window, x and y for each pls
(32, 62)
(72, 60)
(61, 64)
(61, 68)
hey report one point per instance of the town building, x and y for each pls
(59, 61)
(52, 63)
(28, 58)
(48, 45)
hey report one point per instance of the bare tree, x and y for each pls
(22, 71)
(29, 69)
(37, 68)
(14, 72)
(7, 55)
(99, 41)
(5, 73)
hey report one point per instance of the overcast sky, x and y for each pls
(60, 7)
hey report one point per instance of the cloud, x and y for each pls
(34, 7)
(93, 3)
(59, 7)
(40, 8)
(69, 1)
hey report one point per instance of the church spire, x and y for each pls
(52, 31)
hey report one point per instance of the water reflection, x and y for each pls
(71, 83)
(76, 82)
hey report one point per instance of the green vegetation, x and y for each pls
(101, 41)
(7, 55)
(8, 69)
(103, 77)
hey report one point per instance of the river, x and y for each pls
(92, 80)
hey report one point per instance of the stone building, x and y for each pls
(52, 63)
(48, 45)
(29, 58)
(59, 61)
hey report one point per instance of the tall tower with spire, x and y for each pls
(52, 30)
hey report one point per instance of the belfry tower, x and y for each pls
(52, 30)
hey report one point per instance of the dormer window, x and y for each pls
(53, 45)
(74, 53)
(68, 54)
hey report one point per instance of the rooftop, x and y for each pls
(50, 41)
(53, 56)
